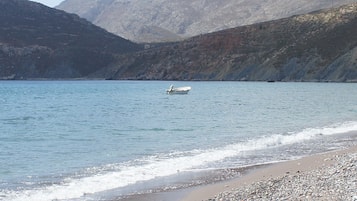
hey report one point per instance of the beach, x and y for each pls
(140, 144)
(326, 176)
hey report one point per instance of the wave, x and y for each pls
(121, 175)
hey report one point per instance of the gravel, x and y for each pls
(337, 181)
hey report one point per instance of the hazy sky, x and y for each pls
(49, 3)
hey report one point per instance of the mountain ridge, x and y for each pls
(174, 20)
(37, 42)
(319, 46)
(40, 42)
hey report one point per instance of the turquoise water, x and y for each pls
(79, 140)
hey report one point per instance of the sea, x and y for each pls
(105, 140)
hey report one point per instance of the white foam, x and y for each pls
(306, 134)
(159, 166)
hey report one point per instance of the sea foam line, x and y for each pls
(154, 167)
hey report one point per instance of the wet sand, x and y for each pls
(302, 172)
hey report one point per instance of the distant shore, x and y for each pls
(327, 176)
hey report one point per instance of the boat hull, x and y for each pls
(179, 90)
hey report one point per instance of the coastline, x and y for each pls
(303, 178)
(301, 172)
(160, 153)
(293, 174)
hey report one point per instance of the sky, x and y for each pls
(49, 3)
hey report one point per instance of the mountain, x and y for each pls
(40, 42)
(172, 20)
(319, 46)
(37, 42)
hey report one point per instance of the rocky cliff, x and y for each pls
(320, 46)
(40, 42)
(170, 20)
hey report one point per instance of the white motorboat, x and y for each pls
(178, 90)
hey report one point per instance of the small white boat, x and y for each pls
(178, 90)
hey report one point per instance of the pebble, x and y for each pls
(337, 181)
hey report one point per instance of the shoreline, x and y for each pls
(305, 170)
(212, 177)
(256, 176)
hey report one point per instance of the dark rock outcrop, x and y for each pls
(320, 46)
(41, 42)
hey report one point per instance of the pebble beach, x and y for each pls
(328, 176)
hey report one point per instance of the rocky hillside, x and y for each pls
(41, 42)
(320, 46)
(170, 20)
